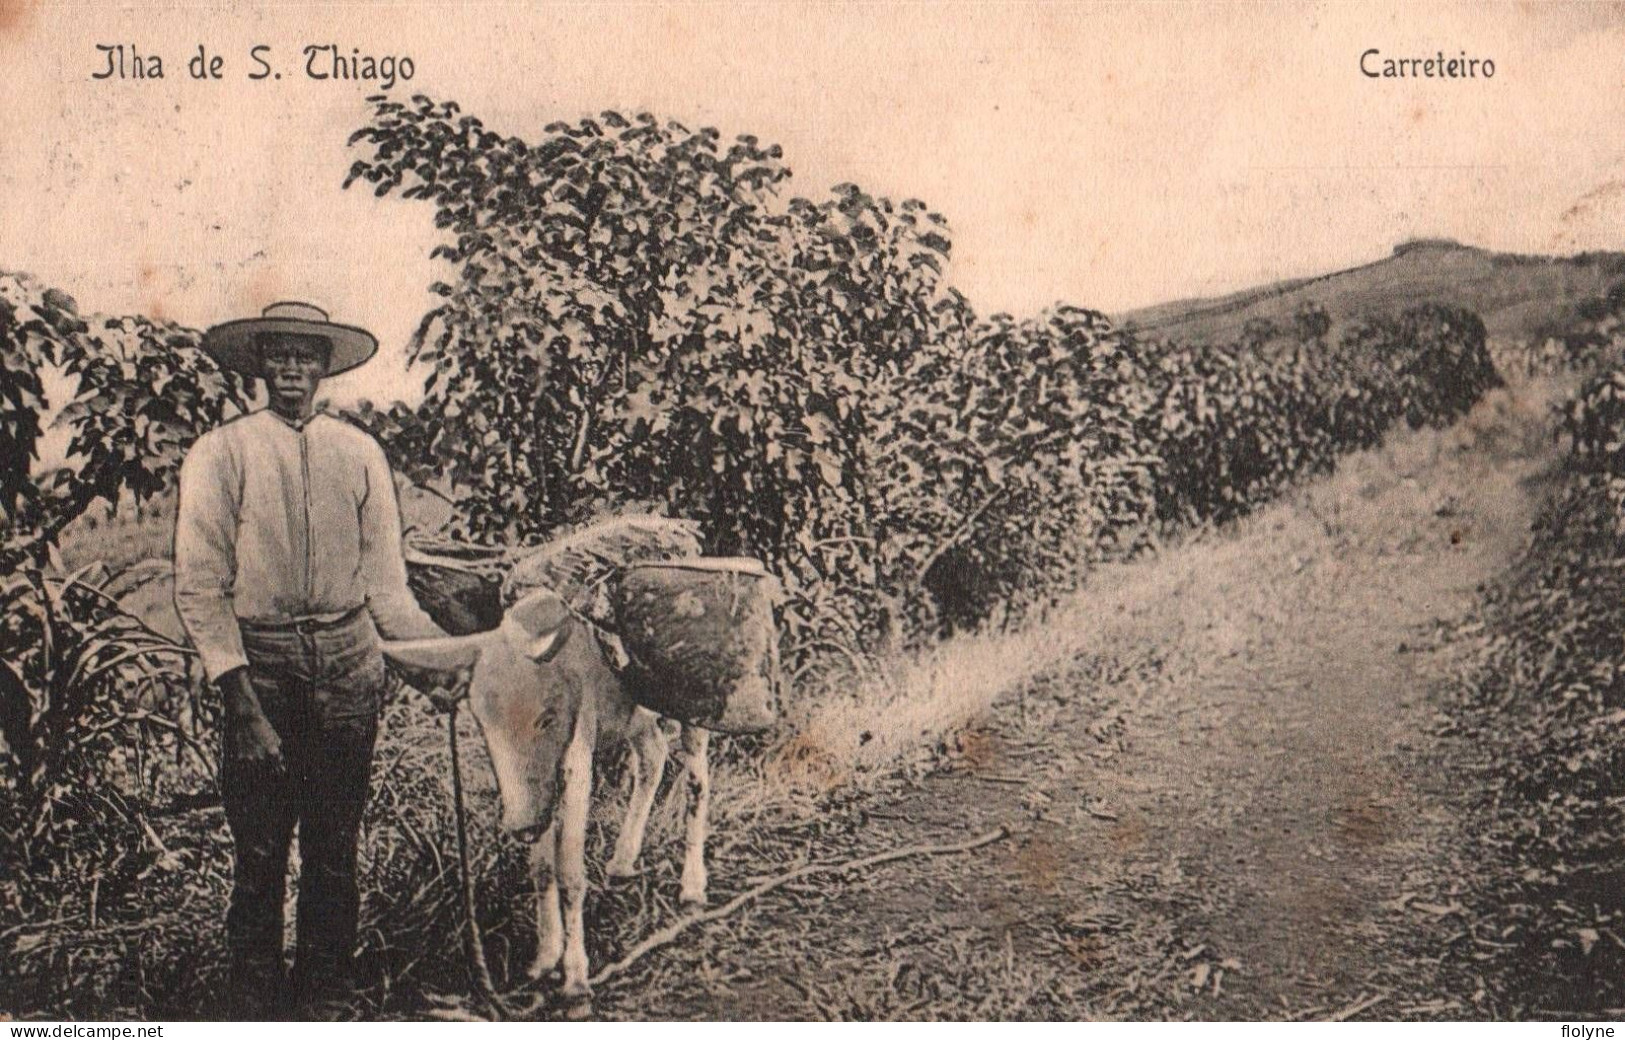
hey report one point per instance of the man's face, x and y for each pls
(293, 366)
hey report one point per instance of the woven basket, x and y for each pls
(702, 641)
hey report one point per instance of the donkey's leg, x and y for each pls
(549, 928)
(574, 801)
(696, 758)
(648, 749)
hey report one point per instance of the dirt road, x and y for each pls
(1240, 811)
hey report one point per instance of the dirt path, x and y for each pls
(1238, 812)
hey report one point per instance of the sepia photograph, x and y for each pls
(651, 510)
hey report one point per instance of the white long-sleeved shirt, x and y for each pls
(280, 521)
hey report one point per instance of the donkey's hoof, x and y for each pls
(693, 897)
(578, 1010)
(576, 1001)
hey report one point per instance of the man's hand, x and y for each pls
(445, 698)
(253, 742)
(442, 689)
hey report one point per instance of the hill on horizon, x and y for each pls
(1517, 296)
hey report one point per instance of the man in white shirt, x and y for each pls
(288, 565)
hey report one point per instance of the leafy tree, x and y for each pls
(79, 678)
(1311, 322)
(38, 327)
(407, 435)
(1256, 332)
(607, 252)
(636, 318)
(1025, 459)
(145, 393)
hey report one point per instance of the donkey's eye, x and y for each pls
(543, 719)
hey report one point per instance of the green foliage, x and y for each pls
(608, 254)
(1067, 443)
(406, 434)
(638, 318)
(1544, 696)
(145, 393)
(1594, 418)
(37, 328)
(88, 696)
(1599, 335)
(632, 321)
(1023, 460)
(87, 692)
(1234, 423)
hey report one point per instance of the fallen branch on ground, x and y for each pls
(678, 927)
(1357, 1007)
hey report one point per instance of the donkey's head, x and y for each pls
(529, 679)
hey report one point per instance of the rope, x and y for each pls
(473, 940)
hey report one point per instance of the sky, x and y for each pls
(1106, 155)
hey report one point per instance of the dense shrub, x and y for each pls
(1065, 442)
(639, 318)
(1233, 423)
(632, 321)
(92, 702)
(1544, 696)
(1021, 460)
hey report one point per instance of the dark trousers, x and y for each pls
(321, 687)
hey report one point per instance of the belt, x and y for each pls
(305, 625)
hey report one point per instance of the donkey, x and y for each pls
(546, 695)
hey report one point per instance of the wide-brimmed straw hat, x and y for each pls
(237, 344)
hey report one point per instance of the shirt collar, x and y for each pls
(297, 427)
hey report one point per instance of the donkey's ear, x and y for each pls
(446, 656)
